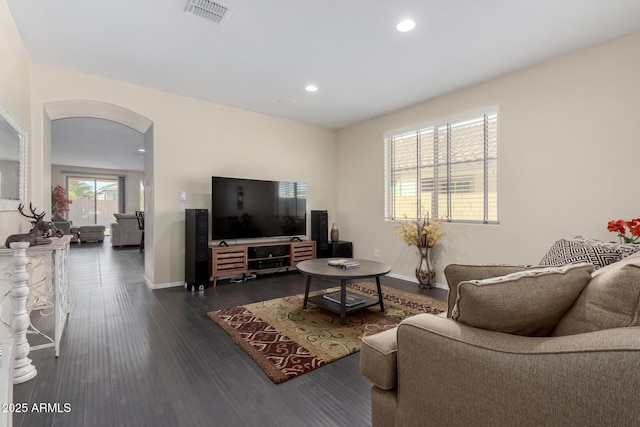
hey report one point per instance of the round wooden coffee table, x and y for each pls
(319, 267)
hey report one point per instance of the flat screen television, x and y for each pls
(250, 208)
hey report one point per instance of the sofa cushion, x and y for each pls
(598, 253)
(120, 216)
(610, 300)
(456, 273)
(525, 303)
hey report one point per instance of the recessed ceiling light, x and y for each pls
(311, 88)
(141, 150)
(406, 25)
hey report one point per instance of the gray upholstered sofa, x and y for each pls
(125, 231)
(66, 227)
(552, 346)
(91, 233)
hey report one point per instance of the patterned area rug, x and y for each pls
(287, 341)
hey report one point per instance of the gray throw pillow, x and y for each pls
(610, 300)
(526, 303)
(457, 273)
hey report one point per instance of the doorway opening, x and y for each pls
(57, 110)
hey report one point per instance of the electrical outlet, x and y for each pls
(183, 207)
(376, 253)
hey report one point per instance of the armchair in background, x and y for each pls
(125, 231)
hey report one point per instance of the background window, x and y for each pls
(446, 170)
(94, 200)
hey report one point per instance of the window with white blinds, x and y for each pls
(447, 170)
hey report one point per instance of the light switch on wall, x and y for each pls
(183, 207)
(183, 195)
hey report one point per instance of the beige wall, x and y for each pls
(569, 146)
(192, 140)
(568, 154)
(15, 75)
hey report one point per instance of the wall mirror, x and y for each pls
(13, 161)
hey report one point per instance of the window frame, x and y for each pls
(439, 138)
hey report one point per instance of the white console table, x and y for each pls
(48, 284)
(6, 381)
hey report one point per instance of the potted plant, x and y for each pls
(422, 234)
(619, 227)
(59, 203)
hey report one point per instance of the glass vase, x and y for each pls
(424, 272)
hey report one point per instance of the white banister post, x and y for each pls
(23, 370)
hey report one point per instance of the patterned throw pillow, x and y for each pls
(526, 303)
(596, 252)
(625, 248)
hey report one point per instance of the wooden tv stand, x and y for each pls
(246, 258)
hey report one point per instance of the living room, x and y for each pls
(545, 151)
(568, 141)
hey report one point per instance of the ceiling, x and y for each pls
(264, 53)
(96, 143)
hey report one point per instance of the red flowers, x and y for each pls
(619, 227)
(616, 226)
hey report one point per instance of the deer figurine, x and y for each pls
(40, 232)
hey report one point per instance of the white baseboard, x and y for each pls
(395, 276)
(414, 280)
(162, 285)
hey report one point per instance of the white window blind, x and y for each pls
(446, 170)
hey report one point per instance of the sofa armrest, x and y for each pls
(378, 359)
(451, 371)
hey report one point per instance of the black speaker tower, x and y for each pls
(340, 249)
(196, 249)
(320, 229)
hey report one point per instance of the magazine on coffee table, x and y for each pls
(350, 300)
(343, 263)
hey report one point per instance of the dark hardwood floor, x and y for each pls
(135, 357)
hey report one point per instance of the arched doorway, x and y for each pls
(94, 109)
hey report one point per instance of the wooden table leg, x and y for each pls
(343, 301)
(379, 294)
(306, 292)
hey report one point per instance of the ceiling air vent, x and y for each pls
(208, 9)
